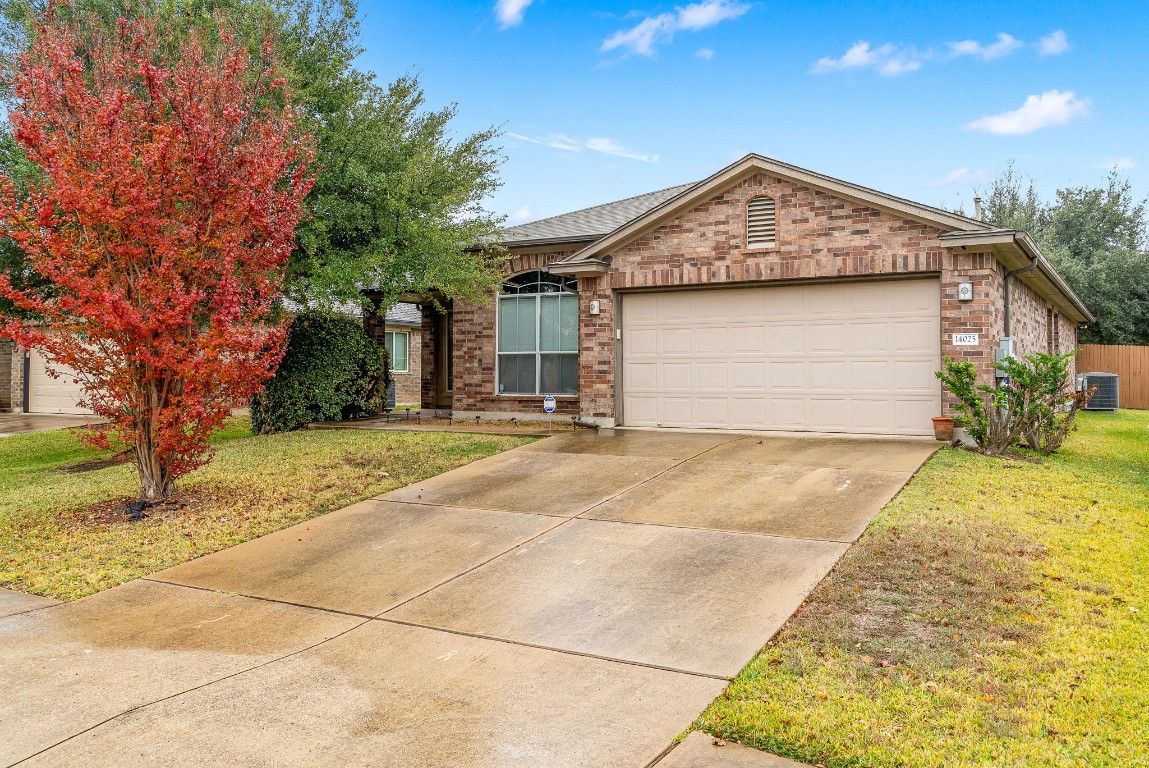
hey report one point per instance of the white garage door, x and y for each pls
(840, 357)
(48, 395)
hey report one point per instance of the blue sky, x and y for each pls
(603, 100)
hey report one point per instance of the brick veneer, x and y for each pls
(818, 237)
(408, 388)
(11, 377)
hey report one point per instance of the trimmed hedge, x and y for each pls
(332, 370)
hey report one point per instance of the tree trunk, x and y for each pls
(155, 480)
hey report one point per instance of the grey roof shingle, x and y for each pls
(590, 223)
(404, 314)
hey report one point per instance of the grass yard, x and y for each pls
(51, 545)
(994, 614)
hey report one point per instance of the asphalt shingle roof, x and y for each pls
(405, 314)
(591, 222)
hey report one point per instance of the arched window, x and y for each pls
(538, 335)
(761, 223)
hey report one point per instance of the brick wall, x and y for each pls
(11, 377)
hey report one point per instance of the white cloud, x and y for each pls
(652, 30)
(1005, 45)
(960, 176)
(1053, 44)
(612, 147)
(521, 215)
(886, 59)
(553, 140)
(1050, 108)
(510, 12)
(602, 145)
(704, 53)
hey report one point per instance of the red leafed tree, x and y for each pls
(171, 187)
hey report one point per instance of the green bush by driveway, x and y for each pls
(52, 542)
(996, 613)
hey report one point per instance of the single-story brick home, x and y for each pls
(765, 297)
(25, 385)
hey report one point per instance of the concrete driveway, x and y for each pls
(575, 602)
(21, 423)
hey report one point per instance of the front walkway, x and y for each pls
(575, 602)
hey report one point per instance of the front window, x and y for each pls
(396, 343)
(538, 335)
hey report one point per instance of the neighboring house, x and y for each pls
(25, 384)
(401, 334)
(766, 297)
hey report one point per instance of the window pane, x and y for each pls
(558, 323)
(517, 374)
(517, 324)
(559, 374)
(399, 351)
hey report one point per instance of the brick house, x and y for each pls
(764, 297)
(25, 385)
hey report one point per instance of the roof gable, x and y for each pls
(692, 195)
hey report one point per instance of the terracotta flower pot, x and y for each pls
(944, 428)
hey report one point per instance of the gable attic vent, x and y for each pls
(760, 223)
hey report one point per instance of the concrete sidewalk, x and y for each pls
(575, 602)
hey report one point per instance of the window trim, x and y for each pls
(771, 245)
(390, 354)
(538, 352)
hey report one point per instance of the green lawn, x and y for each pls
(994, 614)
(51, 544)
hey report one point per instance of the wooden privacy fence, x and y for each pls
(1131, 364)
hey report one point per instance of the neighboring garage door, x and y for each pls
(48, 395)
(825, 357)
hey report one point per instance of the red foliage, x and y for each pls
(172, 186)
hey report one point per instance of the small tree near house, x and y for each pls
(171, 185)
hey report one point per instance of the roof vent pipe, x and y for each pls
(977, 214)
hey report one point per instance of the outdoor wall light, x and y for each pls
(965, 291)
(595, 307)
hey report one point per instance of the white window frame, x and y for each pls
(390, 353)
(538, 353)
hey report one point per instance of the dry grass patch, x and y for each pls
(994, 614)
(65, 535)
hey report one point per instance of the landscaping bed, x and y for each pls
(65, 534)
(995, 613)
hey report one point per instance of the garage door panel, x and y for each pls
(871, 336)
(748, 340)
(826, 338)
(710, 341)
(785, 339)
(915, 376)
(847, 357)
(674, 341)
(916, 335)
(712, 412)
(870, 376)
(748, 375)
(787, 375)
(708, 376)
(787, 412)
(676, 376)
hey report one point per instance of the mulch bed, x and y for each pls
(133, 510)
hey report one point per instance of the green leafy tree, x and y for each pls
(398, 202)
(1097, 239)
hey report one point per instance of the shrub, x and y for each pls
(1035, 402)
(331, 370)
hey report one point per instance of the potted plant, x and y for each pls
(944, 428)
